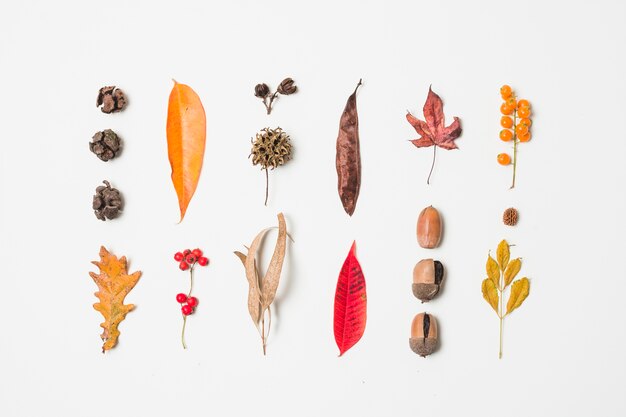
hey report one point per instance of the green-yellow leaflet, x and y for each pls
(519, 292)
(493, 271)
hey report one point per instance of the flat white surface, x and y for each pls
(564, 349)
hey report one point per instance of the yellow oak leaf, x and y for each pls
(493, 271)
(511, 271)
(490, 293)
(519, 292)
(114, 283)
(503, 254)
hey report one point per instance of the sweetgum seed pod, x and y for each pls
(429, 228)
(427, 277)
(424, 333)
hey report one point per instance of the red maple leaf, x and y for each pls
(433, 131)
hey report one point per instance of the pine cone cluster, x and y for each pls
(107, 202)
(106, 145)
(271, 148)
(111, 98)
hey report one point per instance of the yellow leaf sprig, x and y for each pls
(500, 275)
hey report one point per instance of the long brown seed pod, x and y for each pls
(349, 155)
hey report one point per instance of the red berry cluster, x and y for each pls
(188, 258)
(188, 304)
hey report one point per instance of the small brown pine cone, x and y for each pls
(112, 99)
(510, 216)
(105, 145)
(107, 202)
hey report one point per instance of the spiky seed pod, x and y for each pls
(427, 277)
(107, 202)
(271, 148)
(510, 216)
(424, 334)
(111, 98)
(105, 145)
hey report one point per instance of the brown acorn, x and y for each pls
(427, 277)
(423, 339)
(429, 228)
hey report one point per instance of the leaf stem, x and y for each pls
(501, 319)
(433, 164)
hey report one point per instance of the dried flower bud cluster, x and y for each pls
(271, 148)
(111, 99)
(424, 333)
(510, 216)
(427, 278)
(105, 145)
(262, 91)
(107, 202)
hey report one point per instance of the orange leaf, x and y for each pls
(114, 284)
(186, 136)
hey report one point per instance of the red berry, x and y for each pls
(192, 302)
(187, 310)
(181, 298)
(197, 252)
(186, 252)
(203, 261)
(190, 259)
(183, 266)
(178, 257)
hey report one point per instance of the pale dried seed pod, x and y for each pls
(429, 228)
(424, 334)
(427, 277)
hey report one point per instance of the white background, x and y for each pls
(564, 348)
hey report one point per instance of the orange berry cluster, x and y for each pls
(515, 121)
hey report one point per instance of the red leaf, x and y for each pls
(350, 303)
(433, 131)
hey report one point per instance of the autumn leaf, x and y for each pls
(494, 291)
(519, 292)
(511, 271)
(490, 293)
(114, 283)
(186, 137)
(350, 303)
(433, 131)
(261, 292)
(254, 303)
(503, 254)
(493, 271)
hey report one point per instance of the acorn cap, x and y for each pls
(423, 347)
(425, 292)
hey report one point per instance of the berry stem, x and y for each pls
(514, 147)
(182, 337)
